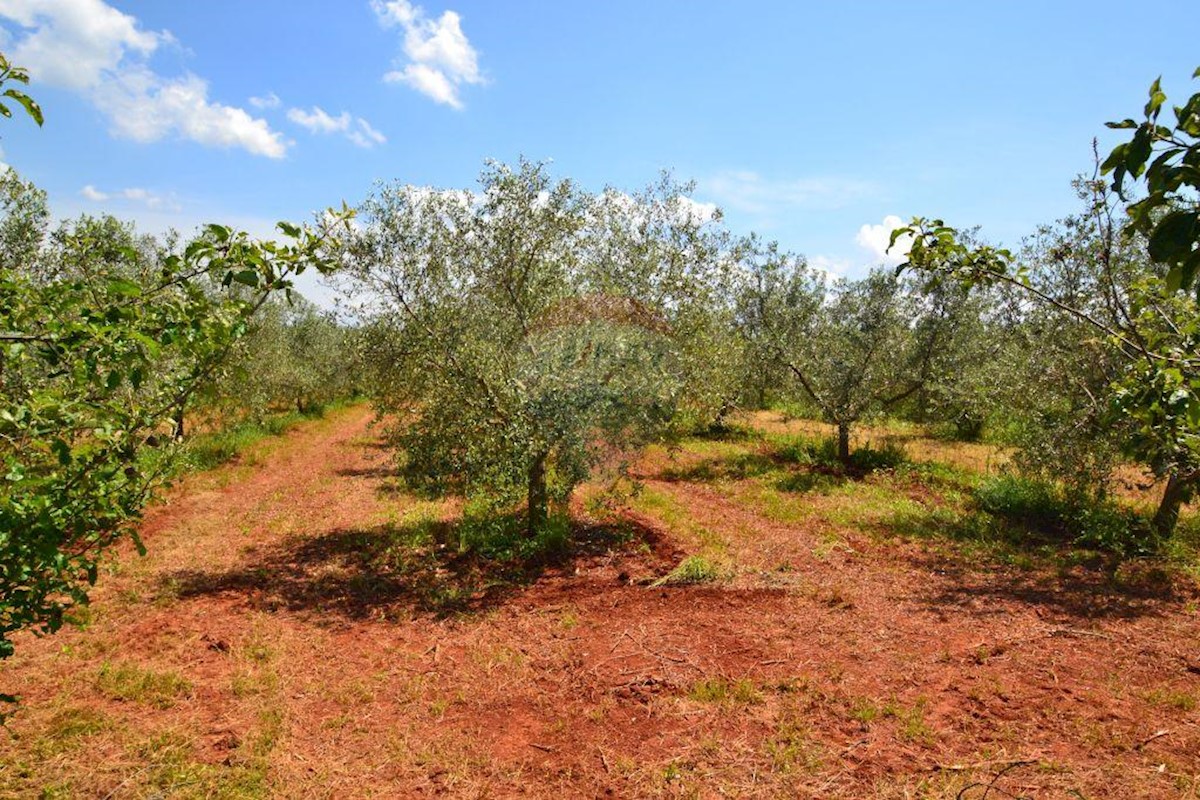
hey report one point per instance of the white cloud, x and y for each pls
(269, 100)
(440, 58)
(142, 197)
(876, 238)
(751, 193)
(319, 121)
(365, 135)
(697, 211)
(92, 48)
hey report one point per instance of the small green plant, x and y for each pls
(1172, 698)
(721, 690)
(693, 569)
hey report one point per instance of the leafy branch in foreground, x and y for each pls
(11, 74)
(1154, 324)
(94, 360)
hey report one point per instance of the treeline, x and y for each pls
(529, 332)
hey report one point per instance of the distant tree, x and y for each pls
(529, 330)
(294, 355)
(859, 348)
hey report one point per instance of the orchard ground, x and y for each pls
(303, 627)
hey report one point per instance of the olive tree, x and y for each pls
(855, 348)
(527, 331)
(294, 356)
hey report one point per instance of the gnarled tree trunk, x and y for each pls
(1178, 491)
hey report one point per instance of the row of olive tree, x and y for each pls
(524, 333)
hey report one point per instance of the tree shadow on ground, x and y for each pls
(1020, 567)
(421, 567)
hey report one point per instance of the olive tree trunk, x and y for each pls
(843, 443)
(538, 496)
(1178, 492)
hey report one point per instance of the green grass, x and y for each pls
(721, 690)
(693, 569)
(208, 450)
(125, 681)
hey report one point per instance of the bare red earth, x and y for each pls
(879, 668)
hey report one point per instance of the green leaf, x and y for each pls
(31, 107)
(1174, 236)
(124, 287)
(1156, 98)
(288, 229)
(246, 277)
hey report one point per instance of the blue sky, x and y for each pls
(803, 121)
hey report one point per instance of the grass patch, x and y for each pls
(133, 683)
(1171, 698)
(720, 690)
(206, 451)
(693, 569)
(1047, 511)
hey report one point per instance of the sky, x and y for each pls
(821, 125)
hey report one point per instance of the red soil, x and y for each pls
(874, 668)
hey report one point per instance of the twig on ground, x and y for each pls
(1156, 735)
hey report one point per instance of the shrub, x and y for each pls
(1046, 509)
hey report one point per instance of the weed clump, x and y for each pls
(693, 569)
(133, 683)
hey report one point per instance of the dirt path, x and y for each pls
(257, 652)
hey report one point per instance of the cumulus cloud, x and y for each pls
(91, 48)
(138, 196)
(320, 121)
(439, 58)
(876, 238)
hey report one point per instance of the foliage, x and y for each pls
(1048, 510)
(527, 333)
(1168, 158)
(856, 349)
(11, 74)
(293, 356)
(102, 337)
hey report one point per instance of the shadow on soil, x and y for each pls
(421, 567)
(1063, 580)
(796, 464)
